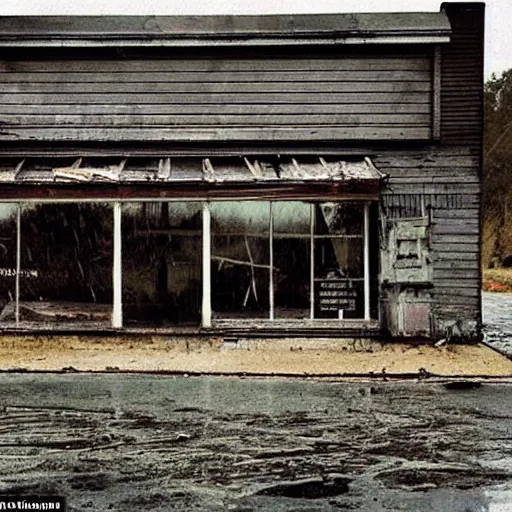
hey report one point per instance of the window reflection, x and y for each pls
(240, 259)
(66, 263)
(162, 263)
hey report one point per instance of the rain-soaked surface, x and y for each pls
(497, 318)
(158, 443)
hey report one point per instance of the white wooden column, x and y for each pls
(366, 260)
(312, 260)
(18, 265)
(271, 262)
(206, 309)
(117, 277)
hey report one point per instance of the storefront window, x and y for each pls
(240, 259)
(339, 260)
(270, 261)
(292, 261)
(66, 265)
(8, 232)
(161, 263)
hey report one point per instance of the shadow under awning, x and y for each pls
(244, 177)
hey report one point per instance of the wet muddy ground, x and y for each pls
(141, 443)
(497, 318)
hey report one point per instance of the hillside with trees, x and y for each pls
(497, 176)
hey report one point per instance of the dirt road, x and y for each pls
(141, 443)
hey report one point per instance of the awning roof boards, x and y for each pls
(173, 171)
(90, 31)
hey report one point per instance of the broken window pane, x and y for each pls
(292, 261)
(240, 259)
(66, 265)
(345, 218)
(162, 263)
(338, 261)
(8, 213)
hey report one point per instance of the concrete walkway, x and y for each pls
(293, 357)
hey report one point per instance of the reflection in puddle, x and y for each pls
(497, 318)
(500, 500)
(490, 499)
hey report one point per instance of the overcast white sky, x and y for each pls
(498, 52)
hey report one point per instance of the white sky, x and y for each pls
(498, 51)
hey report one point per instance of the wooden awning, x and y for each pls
(193, 177)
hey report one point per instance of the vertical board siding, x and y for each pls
(356, 98)
(461, 124)
(462, 76)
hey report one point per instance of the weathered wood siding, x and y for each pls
(462, 76)
(445, 180)
(365, 97)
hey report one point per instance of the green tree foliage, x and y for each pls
(497, 179)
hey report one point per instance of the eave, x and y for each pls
(197, 31)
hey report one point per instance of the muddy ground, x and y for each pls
(140, 443)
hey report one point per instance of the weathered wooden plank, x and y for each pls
(456, 229)
(468, 177)
(472, 214)
(452, 312)
(435, 201)
(227, 64)
(466, 273)
(351, 149)
(456, 247)
(426, 154)
(427, 172)
(229, 98)
(215, 119)
(446, 292)
(449, 255)
(449, 239)
(455, 284)
(365, 75)
(453, 119)
(404, 162)
(152, 87)
(436, 189)
(242, 108)
(291, 191)
(439, 221)
(455, 264)
(447, 305)
(470, 302)
(295, 133)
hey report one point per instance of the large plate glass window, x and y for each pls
(291, 259)
(161, 263)
(8, 244)
(240, 259)
(338, 260)
(66, 265)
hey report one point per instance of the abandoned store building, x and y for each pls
(306, 174)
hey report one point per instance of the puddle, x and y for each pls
(497, 318)
(491, 499)
(500, 500)
(504, 463)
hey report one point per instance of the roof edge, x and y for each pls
(88, 31)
